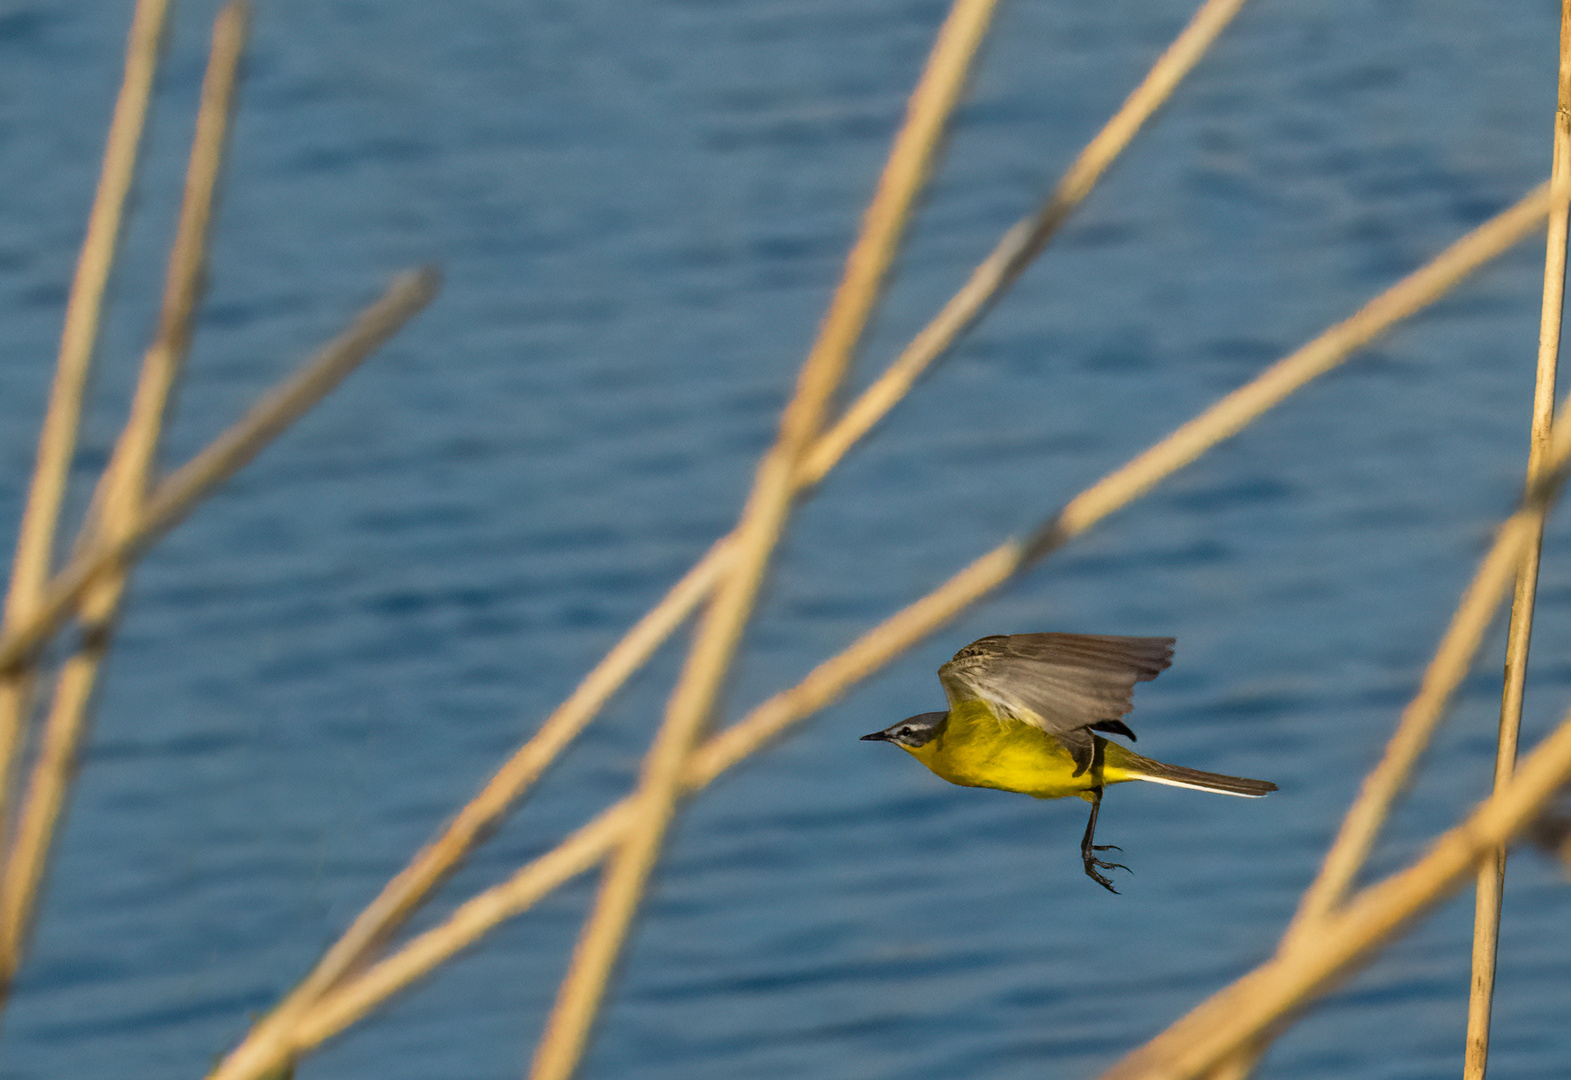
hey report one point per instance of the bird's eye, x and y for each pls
(903, 732)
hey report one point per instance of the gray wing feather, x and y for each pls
(1061, 683)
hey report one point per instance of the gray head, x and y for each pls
(912, 732)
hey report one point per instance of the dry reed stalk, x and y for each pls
(122, 489)
(1349, 937)
(1491, 873)
(57, 441)
(1022, 243)
(353, 998)
(1241, 1063)
(178, 494)
(719, 632)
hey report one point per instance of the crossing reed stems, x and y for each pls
(1516, 540)
(125, 516)
(1026, 240)
(992, 277)
(36, 536)
(121, 491)
(179, 493)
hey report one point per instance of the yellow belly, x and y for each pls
(976, 749)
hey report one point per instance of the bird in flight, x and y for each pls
(1024, 710)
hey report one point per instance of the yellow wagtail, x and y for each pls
(1022, 709)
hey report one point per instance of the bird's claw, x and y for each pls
(1091, 864)
(1087, 847)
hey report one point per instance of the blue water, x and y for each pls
(640, 211)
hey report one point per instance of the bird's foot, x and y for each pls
(1091, 864)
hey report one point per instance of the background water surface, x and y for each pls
(640, 210)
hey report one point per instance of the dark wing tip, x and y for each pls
(1152, 655)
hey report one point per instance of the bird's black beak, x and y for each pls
(877, 736)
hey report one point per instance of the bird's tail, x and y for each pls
(1135, 767)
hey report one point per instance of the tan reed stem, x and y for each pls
(1351, 935)
(719, 633)
(1240, 1064)
(1491, 872)
(353, 998)
(57, 441)
(121, 492)
(436, 860)
(175, 496)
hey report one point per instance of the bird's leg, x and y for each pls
(1087, 847)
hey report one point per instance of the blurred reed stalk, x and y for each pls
(1491, 873)
(353, 998)
(125, 516)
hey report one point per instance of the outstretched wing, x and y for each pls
(1061, 683)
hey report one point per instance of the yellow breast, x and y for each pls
(977, 749)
